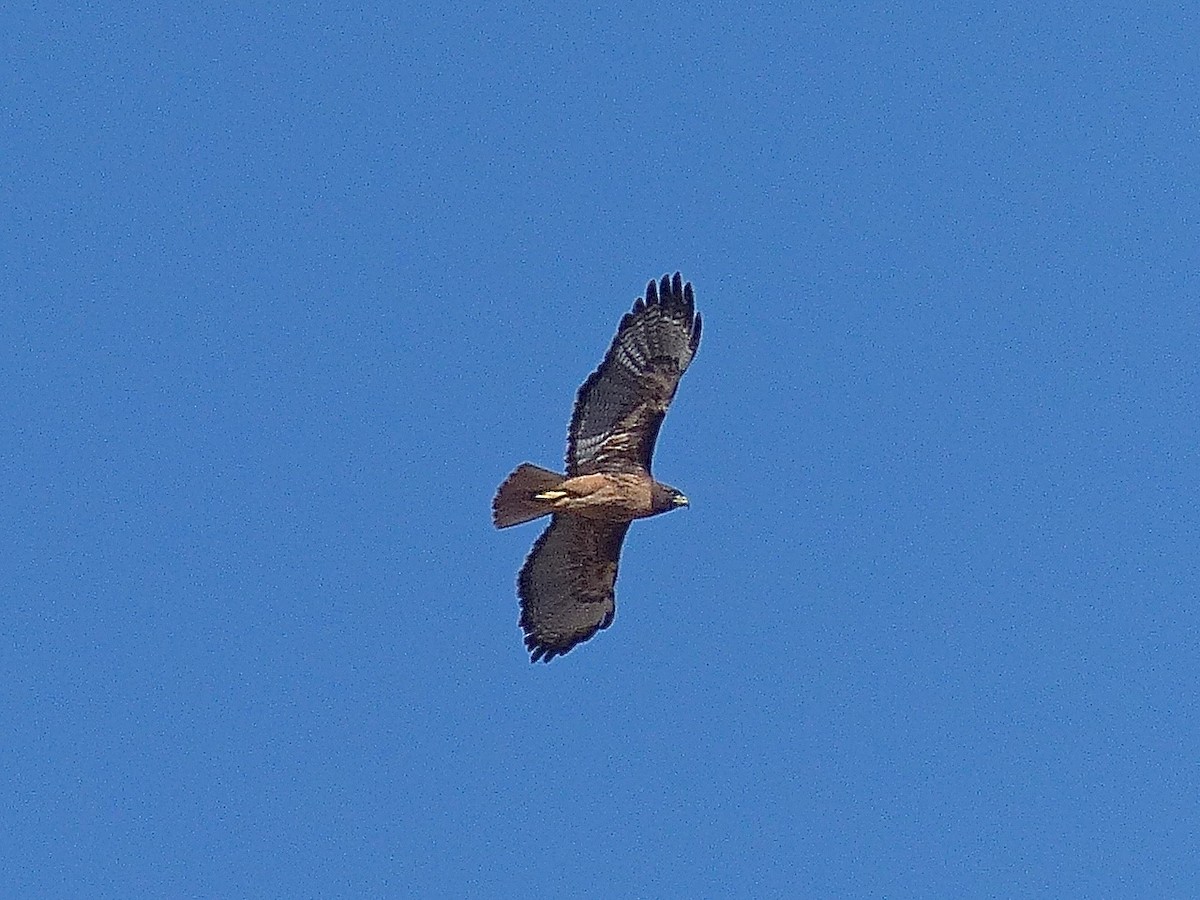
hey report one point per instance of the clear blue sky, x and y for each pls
(289, 288)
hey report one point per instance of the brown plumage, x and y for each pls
(567, 583)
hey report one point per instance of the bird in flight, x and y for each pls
(567, 583)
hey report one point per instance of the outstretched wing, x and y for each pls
(621, 406)
(566, 584)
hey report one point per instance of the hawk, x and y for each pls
(566, 585)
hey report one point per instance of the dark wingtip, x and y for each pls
(669, 290)
(673, 292)
(540, 652)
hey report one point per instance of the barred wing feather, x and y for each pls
(567, 584)
(620, 408)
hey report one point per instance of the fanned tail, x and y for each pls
(514, 501)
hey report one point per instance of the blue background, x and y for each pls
(288, 289)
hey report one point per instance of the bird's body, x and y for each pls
(603, 496)
(567, 583)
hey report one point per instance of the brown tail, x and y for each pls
(514, 501)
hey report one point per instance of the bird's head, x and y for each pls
(667, 498)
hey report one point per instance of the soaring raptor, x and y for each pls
(566, 585)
